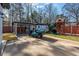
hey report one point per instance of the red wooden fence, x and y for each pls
(8, 29)
(69, 29)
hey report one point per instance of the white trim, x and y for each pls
(15, 28)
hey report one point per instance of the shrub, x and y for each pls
(52, 28)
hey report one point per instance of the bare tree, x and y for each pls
(51, 12)
(72, 10)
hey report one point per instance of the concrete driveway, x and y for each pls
(28, 46)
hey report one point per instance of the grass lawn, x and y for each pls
(74, 38)
(9, 36)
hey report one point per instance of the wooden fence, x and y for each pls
(70, 29)
(8, 29)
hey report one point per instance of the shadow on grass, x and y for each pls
(49, 39)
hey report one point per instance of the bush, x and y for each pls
(52, 28)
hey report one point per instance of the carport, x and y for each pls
(24, 28)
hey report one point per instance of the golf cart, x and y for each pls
(37, 32)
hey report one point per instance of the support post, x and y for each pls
(15, 28)
(71, 29)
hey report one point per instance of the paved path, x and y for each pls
(28, 46)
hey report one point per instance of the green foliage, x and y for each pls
(45, 21)
(34, 16)
(52, 28)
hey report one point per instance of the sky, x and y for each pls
(59, 7)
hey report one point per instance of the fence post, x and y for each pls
(61, 29)
(15, 28)
(71, 29)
